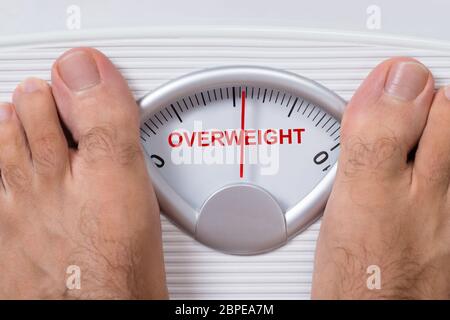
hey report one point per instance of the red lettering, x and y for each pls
(190, 141)
(236, 137)
(217, 136)
(272, 139)
(288, 136)
(179, 141)
(299, 134)
(250, 135)
(203, 139)
(230, 136)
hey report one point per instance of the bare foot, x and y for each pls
(390, 205)
(90, 207)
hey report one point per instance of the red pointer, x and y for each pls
(241, 164)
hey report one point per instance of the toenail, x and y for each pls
(78, 70)
(406, 80)
(5, 111)
(30, 85)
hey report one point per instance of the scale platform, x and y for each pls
(333, 43)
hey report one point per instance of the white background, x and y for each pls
(427, 19)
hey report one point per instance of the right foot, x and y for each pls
(92, 206)
(390, 204)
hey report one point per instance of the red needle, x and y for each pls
(241, 164)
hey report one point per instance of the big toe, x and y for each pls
(96, 105)
(385, 119)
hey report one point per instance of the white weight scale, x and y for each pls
(241, 104)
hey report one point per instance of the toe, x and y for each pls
(385, 118)
(15, 162)
(432, 162)
(37, 112)
(96, 105)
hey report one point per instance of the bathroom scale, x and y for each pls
(241, 105)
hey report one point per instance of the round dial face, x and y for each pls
(237, 150)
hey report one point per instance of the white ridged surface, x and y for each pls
(149, 60)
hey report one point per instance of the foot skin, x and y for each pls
(90, 208)
(389, 210)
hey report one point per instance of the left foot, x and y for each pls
(91, 206)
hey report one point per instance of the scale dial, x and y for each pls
(242, 158)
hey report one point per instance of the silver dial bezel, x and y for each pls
(308, 209)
